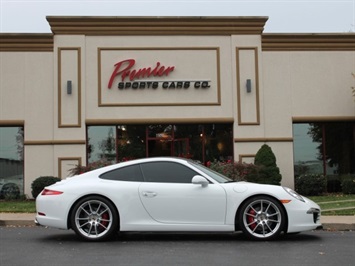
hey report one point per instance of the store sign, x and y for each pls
(125, 71)
(161, 77)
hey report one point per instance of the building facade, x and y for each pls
(205, 88)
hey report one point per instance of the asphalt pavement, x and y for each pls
(339, 223)
(42, 246)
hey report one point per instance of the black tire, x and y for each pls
(94, 218)
(262, 218)
(292, 234)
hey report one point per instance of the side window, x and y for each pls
(167, 172)
(129, 173)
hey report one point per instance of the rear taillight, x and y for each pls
(48, 192)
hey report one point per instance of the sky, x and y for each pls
(288, 16)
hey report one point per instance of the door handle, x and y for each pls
(149, 194)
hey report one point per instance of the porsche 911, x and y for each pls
(171, 195)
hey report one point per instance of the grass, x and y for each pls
(335, 204)
(327, 202)
(332, 197)
(17, 206)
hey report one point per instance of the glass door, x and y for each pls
(159, 140)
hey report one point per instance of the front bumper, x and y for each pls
(316, 214)
(303, 216)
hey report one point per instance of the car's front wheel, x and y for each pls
(94, 218)
(262, 218)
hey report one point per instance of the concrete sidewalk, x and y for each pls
(17, 219)
(341, 223)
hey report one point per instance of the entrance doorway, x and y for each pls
(164, 140)
(200, 142)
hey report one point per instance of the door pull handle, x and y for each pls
(149, 194)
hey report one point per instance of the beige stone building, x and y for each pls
(206, 88)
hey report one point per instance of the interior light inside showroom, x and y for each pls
(203, 88)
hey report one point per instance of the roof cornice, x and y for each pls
(43, 42)
(26, 42)
(308, 42)
(156, 25)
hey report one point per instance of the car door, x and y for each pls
(169, 196)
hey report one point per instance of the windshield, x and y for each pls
(216, 176)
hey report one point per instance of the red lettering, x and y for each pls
(155, 70)
(132, 75)
(137, 74)
(117, 70)
(161, 71)
(144, 72)
(168, 70)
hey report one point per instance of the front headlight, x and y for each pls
(293, 194)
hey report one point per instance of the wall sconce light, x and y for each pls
(248, 85)
(69, 87)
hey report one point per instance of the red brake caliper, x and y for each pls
(250, 219)
(104, 216)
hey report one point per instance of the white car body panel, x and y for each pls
(184, 203)
(145, 206)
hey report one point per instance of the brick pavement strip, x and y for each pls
(341, 223)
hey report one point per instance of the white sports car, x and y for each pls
(171, 194)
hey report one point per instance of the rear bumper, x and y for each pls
(51, 222)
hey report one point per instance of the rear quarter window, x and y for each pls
(129, 173)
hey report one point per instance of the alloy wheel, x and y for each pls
(94, 219)
(262, 218)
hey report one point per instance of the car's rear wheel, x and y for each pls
(94, 218)
(262, 218)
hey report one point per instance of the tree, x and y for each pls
(353, 87)
(339, 144)
(131, 143)
(267, 172)
(108, 147)
(19, 140)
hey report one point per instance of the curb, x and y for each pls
(17, 223)
(338, 227)
(28, 220)
(17, 219)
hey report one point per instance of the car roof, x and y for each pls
(139, 161)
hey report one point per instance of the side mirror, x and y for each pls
(200, 180)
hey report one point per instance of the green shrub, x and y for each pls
(310, 185)
(236, 171)
(265, 156)
(264, 175)
(41, 182)
(333, 184)
(10, 191)
(80, 169)
(348, 185)
(266, 171)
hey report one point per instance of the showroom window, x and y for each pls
(115, 143)
(11, 162)
(324, 148)
(101, 143)
(200, 142)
